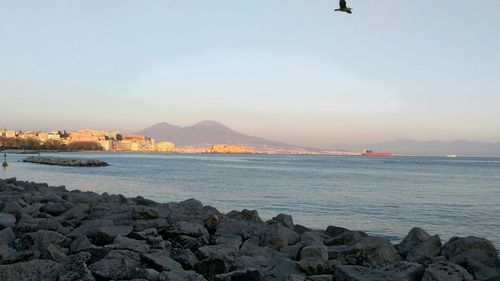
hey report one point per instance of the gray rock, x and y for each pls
(107, 234)
(315, 251)
(402, 271)
(375, 251)
(425, 251)
(118, 264)
(90, 227)
(458, 250)
(443, 271)
(144, 213)
(7, 220)
(161, 262)
(345, 238)
(242, 275)
(286, 220)
(7, 236)
(43, 238)
(335, 230)
(324, 277)
(313, 237)
(212, 266)
(246, 215)
(186, 258)
(55, 209)
(124, 243)
(185, 228)
(178, 275)
(273, 268)
(313, 266)
(275, 237)
(414, 237)
(75, 269)
(33, 270)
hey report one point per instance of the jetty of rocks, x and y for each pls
(50, 233)
(65, 161)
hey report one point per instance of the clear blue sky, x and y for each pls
(292, 71)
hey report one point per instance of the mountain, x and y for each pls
(434, 147)
(205, 133)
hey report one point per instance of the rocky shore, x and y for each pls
(50, 233)
(64, 161)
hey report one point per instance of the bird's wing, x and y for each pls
(342, 4)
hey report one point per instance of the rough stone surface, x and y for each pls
(50, 233)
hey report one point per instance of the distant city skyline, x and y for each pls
(290, 71)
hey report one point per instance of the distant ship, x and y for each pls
(451, 156)
(367, 152)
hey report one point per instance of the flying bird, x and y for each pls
(343, 7)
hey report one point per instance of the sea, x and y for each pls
(384, 196)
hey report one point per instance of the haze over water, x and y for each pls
(385, 196)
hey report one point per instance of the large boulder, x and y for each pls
(144, 213)
(401, 271)
(444, 271)
(185, 228)
(375, 251)
(7, 220)
(285, 219)
(475, 254)
(118, 264)
(33, 270)
(414, 237)
(346, 237)
(425, 251)
(275, 236)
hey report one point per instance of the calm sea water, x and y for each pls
(385, 196)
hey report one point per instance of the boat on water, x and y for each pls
(368, 152)
(451, 156)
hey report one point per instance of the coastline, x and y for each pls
(52, 232)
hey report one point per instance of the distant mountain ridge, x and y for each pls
(205, 133)
(433, 147)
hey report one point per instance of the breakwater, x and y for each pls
(50, 233)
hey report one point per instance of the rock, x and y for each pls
(243, 275)
(185, 228)
(186, 258)
(443, 271)
(476, 254)
(425, 251)
(402, 271)
(144, 213)
(375, 251)
(313, 266)
(124, 243)
(246, 215)
(316, 252)
(313, 237)
(107, 234)
(457, 250)
(161, 262)
(178, 275)
(275, 237)
(335, 230)
(7, 236)
(414, 237)
(345, 238)
(7, 220)
(90, 227)
(43, 238)
(273, 268)
(324, 277)
(64, 161)
(212, 266)
(286, 220)
(118, 264)
(76, 269)
(33, 270)
(55, 209)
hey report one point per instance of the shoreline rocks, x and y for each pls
(63, 161)
(50, 233)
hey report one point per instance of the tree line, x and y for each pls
(35, 144)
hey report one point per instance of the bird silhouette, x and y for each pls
(343, 7)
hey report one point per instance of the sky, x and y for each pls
(292, 71)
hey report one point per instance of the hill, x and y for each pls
(205, 133)
(434, 147)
